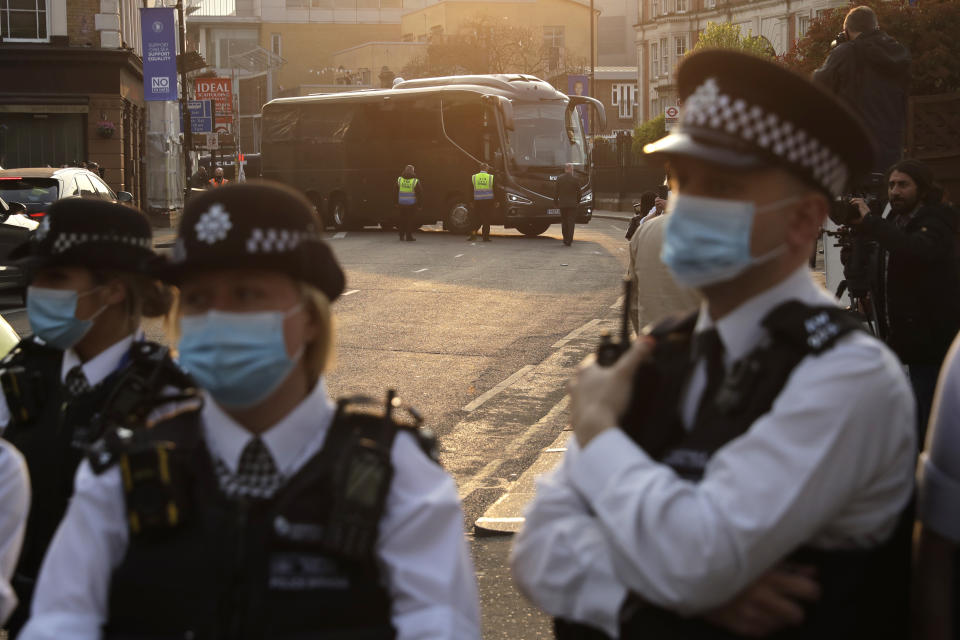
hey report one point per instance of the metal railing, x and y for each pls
(227, 9)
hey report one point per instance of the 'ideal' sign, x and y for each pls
(220, 90)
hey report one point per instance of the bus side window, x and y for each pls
(463, 123)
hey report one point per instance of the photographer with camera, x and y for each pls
(917, 288)
(870, 72)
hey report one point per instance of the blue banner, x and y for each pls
(159, 54)
(578, 85)
(201, 116)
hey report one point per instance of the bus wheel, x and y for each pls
(532, 229)
(458, 219)
(338, 213)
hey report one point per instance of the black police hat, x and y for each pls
(742, 111)
(88, 233)
(259, 225)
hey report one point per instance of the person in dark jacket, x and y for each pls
(567, 198)
(918, 294)
(870, 72)
(408, 194)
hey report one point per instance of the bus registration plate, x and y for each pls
(553, 212)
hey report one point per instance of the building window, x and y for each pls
(803, 23)
(681, 46)
(654, 8)
(654, 60)
(553, 42)
(709, 4)
(275, 45)
(664, 57)
(624, 97)
(23, 20)
(681, 6)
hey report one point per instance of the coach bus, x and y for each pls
(345, 151)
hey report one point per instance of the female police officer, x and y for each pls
(88, 291)
(271, 512)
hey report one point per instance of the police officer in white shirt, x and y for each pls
(271, 512)
(730, 461)
(88, 290)
(14, 504)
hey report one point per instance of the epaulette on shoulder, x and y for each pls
(178, 431)
(673, 327)
(393, 415)
(813, 329)
(29, 347)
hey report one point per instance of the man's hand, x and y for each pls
(861, 204)
(774, 601)
(599, 395)
(660, 204)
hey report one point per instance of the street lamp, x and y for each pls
(591, 92)
(184, 107)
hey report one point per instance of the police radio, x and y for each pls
(610, 350)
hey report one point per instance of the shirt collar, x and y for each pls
(101, 365)
(286, 441)
(741, 331)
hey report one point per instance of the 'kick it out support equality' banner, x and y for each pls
(159, 32)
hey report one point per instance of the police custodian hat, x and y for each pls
(254, 225)
(89, 233)
(741, 111)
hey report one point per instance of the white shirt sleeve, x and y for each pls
(14, 505)
(561, 559)
(939, 471)
(71, 596)
(424, 553)
(830, 464)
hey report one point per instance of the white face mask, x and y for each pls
(707, 240)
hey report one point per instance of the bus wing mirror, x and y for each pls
(597, 106)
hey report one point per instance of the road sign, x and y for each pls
(201, 115)
(207, 141)
(671, 116)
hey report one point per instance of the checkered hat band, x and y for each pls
(69, 240)
(278, 240)
(708, 108)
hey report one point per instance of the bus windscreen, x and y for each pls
(545, 136)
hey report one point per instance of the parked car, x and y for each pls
(39, 188)
(15, 228)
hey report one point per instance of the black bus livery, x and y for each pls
(346, 150)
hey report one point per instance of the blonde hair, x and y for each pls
(145, 297)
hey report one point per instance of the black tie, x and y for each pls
(76, 381)
(256, 476)
(709, 348)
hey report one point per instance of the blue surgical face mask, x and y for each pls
(52, 314)
(707, 240)
(239, 358)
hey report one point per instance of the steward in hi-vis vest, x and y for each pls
(271, 511)
(87, 368)
(409, 199)
(746, 471)
(483, 201)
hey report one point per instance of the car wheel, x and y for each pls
(533, 229)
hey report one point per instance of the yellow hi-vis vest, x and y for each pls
(482, 186)
(407, 193)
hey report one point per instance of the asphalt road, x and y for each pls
(481, 338)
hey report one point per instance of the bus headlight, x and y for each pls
(513, 198)
(586, 198)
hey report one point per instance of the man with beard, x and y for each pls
(870, 72)
(918, 294)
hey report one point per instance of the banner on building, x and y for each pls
(220, 90)
(578, 85)
(159, 34)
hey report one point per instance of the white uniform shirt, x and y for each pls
(830, 465)
(939, 471)
(14, 505)
(421, 547)
(95, 369)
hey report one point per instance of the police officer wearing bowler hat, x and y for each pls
(271, 512)
(89, 289)
(742, 471)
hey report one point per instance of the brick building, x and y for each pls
(66, 67)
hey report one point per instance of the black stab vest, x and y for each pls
(243, 569)
(864, 591)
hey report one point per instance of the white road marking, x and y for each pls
(576, 332)
(515, 446)
(350, 293)
(421, 270)
(340, 234)
(479, 400)
(555, 450)
(618, 304)
(459, 255)
(518, 519)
